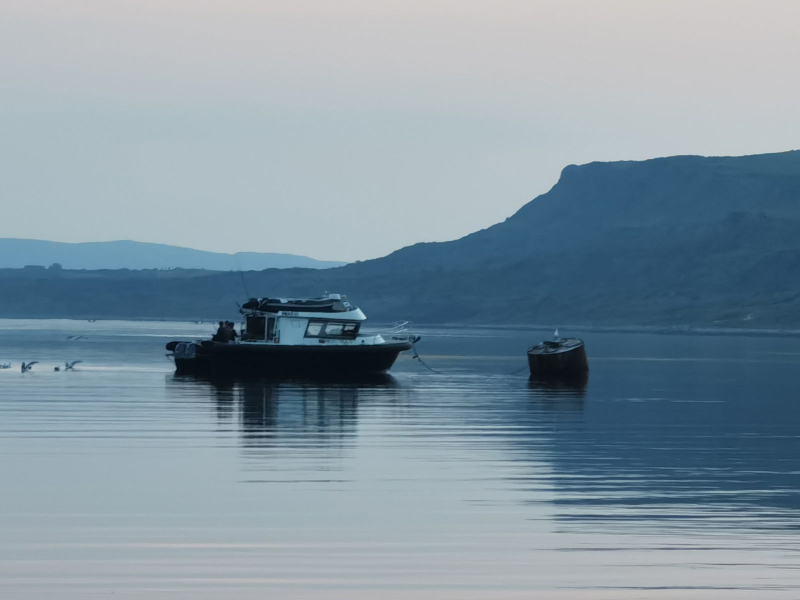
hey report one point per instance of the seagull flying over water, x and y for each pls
(29, 366)
(68, 366)
(77, 337)
(5, 366)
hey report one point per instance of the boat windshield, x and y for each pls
(332, 329)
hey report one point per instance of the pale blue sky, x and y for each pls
(344, 130)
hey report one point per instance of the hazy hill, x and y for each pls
(681, 240)
(126, 254)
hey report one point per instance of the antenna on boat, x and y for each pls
(241, 275)
(244, 285)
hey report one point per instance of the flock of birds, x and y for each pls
(68, 366)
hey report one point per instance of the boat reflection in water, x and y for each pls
(284, 412)
(561, 385)
(559, 394)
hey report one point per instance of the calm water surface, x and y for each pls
(674, 474)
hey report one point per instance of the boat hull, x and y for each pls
(565, 364)
(210, 358)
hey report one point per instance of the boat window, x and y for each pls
(255, 327)
(332, 329)
(314, 329)
(271, 328)
(345, 330)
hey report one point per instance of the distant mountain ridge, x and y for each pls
(127, 254)
(684, 240)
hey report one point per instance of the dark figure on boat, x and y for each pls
(226, 333)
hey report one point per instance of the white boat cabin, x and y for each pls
(328, 320)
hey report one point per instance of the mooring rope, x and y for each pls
(432, 370)
(518, 370)
(422, 362)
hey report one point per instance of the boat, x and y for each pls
(560, 358)
(295, 337)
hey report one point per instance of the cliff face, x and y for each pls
(684, 240)
(667, 241)
(596, 203)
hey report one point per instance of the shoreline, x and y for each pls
(689, 330)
